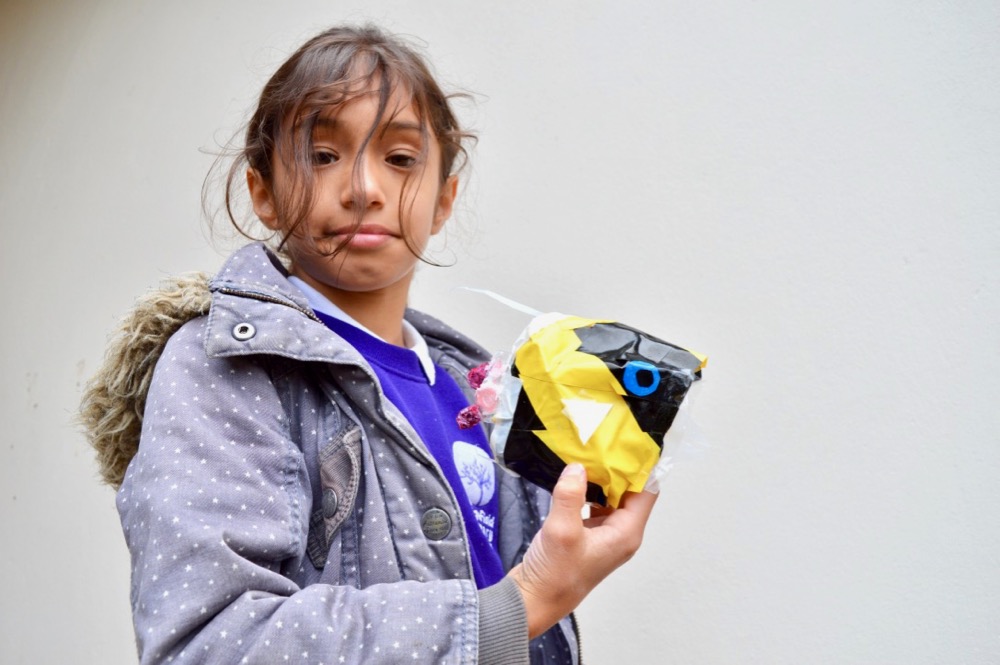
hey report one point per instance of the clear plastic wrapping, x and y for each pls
(596, 392)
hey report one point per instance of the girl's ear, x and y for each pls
(445, 203)
(262, 199)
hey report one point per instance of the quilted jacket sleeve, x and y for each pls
(215, 510)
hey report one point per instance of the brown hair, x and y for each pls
(327, 71)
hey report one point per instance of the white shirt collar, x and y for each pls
(412, 339)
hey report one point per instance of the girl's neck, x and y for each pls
(379, 311)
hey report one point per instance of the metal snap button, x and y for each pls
(330, 503)
(244, 331)
(436, 524)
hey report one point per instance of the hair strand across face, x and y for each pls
(325, 73)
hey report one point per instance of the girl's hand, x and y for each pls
(571, 555)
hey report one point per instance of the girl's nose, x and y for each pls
(365, 187)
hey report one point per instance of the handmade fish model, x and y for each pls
(596, 392)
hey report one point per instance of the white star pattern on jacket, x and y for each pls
(216, 508)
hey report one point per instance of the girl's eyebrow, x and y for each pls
(391, 126)
(323, 123)
(402, 126)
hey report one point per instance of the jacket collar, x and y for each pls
(252, 288)
(255, 270)
(256, 310)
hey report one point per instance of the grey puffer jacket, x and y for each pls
(280, 509)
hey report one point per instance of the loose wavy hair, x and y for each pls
(326, 72)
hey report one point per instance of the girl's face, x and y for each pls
(403, 194)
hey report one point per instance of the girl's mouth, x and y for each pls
(366, 236)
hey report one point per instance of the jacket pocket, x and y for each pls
(340, 476)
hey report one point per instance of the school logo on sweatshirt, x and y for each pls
(477, 471)
(475, 467)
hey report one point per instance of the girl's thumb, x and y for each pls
(570, 492)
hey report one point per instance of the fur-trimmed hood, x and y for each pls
(112, 405)
(115, 397)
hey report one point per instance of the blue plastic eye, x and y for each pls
(631, 378)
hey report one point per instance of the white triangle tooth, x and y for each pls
(586, 415)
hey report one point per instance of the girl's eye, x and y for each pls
(324, 157)
(401, 160)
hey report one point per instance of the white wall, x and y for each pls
(807, 192)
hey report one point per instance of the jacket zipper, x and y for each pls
(576, 632)
(271, 299)
(429, 459)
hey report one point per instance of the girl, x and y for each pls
(300, 490)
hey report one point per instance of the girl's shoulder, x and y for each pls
(114, 399)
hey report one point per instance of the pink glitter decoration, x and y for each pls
(468, 417)
(476, 375)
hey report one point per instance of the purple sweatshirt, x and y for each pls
(463, 455)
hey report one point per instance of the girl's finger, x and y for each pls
(600, 511)
(636, 506)
(569, 494)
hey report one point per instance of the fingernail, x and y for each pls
(574, 471)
